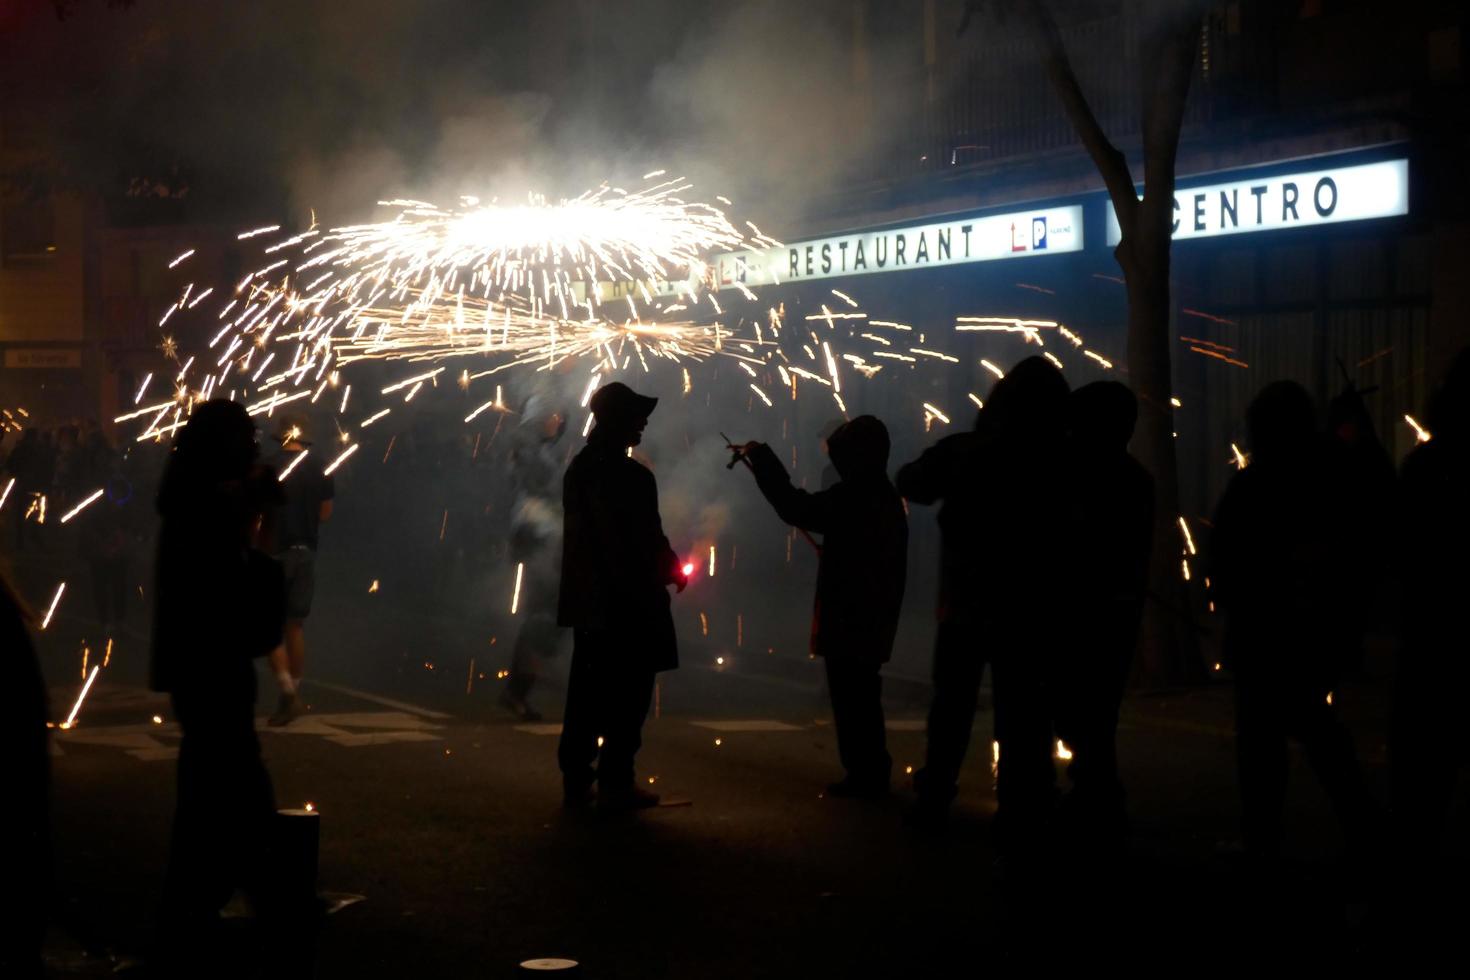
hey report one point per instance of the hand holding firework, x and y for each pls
(739, 454)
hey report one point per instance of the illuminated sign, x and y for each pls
(969, 239)
(1295, 200)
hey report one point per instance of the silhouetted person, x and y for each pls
(30, 464)
(295, 529)
(27, 768)
(219, 605)
(1282, 570)
(1426, 742)
(616, 565)
(860, 582)
(1115, 501)
(1006, 539)
(535, 547)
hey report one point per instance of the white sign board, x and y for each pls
(1294, 200)
(967, 239)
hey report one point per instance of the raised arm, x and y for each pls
(808, 511)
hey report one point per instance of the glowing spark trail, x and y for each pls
(515, 598)
(71, 718)
(292, 465)
(340, 460)
(78, 508)
(51, 610)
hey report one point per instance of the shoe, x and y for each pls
(288, 710)
(855, 789)
(624, 799)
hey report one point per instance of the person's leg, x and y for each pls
(577, 750)
(632, 694)
(958, 668)
(1332, 756)
(840, 689)
(1026, 776)
(295, 643)
(1261, 761)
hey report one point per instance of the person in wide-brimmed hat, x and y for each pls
(616, 566)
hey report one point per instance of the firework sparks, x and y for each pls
(51, 610)
(79, 507)
(1421, 434)
(515, 597)
(71, 718)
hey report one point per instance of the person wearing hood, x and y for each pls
(615, 570)
(1115, 529)
(1282, 571)
(860, 583)
(1006, 542)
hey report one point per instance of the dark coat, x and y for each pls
(861, 573)
(1284, 570)
(218, 603)
(616, 562)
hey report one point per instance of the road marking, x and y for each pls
(378, 699)
(360, 739)
(542, 728)
(755, 725)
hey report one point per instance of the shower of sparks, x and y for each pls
(604, 276)
(79, 507)
(51, 610)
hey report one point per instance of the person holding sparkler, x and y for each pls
(616, 566)
(860, 583)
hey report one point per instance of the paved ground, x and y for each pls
(443, 814)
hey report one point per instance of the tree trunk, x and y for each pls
(1168, 648)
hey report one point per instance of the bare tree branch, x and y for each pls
(1111, 163)
(1169, 66)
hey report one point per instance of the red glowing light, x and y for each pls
(688, 569)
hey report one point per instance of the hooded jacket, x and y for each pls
(863, 565)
